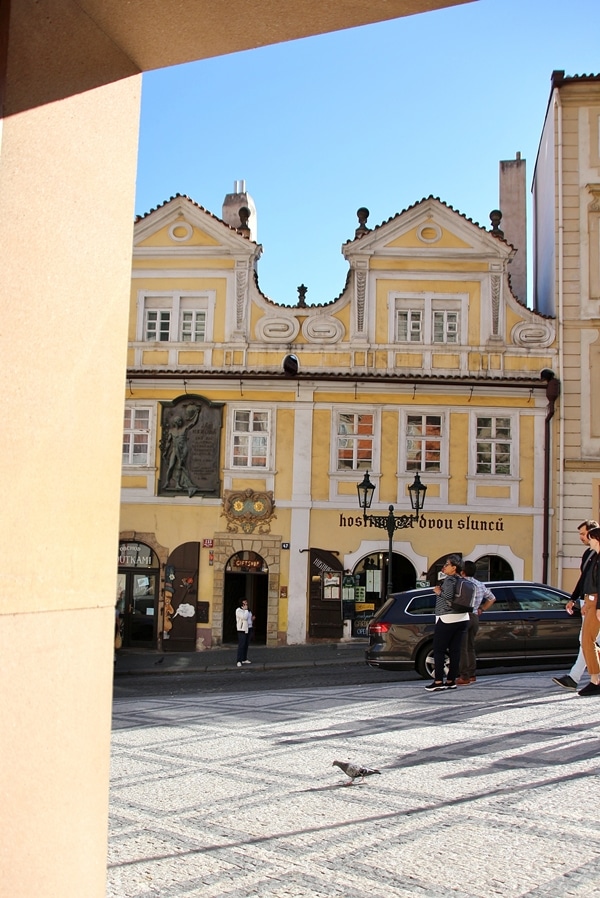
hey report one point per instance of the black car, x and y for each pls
(526, 624)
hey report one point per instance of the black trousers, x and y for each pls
(447, 638)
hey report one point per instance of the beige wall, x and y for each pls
(66, 209)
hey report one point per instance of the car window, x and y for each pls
(422, 604)
(504, 600)
(537, 598)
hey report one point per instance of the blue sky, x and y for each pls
(379, 116)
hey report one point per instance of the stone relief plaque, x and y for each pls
(190, 447)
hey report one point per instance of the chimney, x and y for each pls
(513, 204)
(233, 203)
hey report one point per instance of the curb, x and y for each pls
(222, 668)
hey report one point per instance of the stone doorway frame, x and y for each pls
(269, 548)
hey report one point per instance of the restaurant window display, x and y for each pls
(137, 594)
(373, 575)
(370, 578)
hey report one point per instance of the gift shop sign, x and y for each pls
(430, 522)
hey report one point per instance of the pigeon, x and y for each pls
(354, 771)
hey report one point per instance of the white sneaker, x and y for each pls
(246, 662)
(239, 664)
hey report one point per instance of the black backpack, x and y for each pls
(464, 596)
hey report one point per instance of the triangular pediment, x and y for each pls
(429, 228)
(427, 233)
(177, 231)
(180, 224)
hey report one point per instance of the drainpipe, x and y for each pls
(552, 394)
(560, 318)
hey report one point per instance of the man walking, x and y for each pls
(571, 679)
(483, 600)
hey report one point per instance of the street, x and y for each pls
(257, 679)
(224, 788)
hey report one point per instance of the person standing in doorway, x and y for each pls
(450, 628)
(242, 618)
(591, 616)
(575, 603)
(484, 599)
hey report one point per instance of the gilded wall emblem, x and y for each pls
(248, 511)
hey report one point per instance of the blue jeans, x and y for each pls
(447, 638)
(242, 652)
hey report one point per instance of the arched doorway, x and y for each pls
(138, 579)
(372, 571)
(493, 567)
(246, 576)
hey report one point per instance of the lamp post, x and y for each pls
(390, 522)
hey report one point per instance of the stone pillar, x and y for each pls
(67, 181)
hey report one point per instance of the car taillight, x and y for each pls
(378, 628)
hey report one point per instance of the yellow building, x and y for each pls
(566, 193)
(249, 425)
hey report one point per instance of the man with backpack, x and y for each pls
(483, 598)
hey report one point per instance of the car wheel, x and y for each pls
(425, 665)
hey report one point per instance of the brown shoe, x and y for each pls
(472, 679)
(463, 681)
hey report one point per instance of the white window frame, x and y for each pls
(450, 326)
(426, 304)
(196, 316)
(163, 315)
(441, 477)
(133, 408)
(413, 317)
(443, 442)
(494, 441)
(511, 480)
(175, 303)
(338, 479)
(237, 469)
(354, 437)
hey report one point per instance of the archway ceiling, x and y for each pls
(63, 47)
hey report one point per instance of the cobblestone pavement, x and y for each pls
(489, 790)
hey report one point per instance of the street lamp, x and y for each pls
(390, 522)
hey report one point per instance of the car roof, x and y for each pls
(491, 584)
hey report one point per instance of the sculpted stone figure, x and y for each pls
(175, 450)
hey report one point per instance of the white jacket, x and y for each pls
(241, 619)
